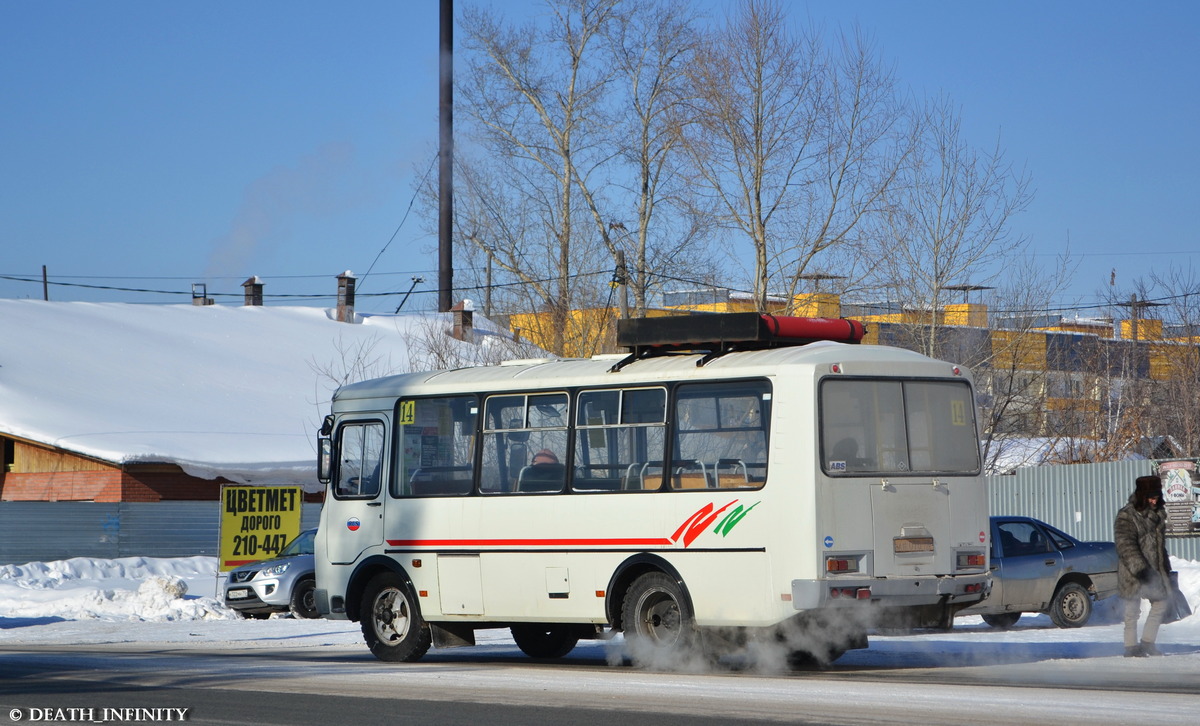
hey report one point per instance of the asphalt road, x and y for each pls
(347, 687)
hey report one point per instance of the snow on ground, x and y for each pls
(152, 600)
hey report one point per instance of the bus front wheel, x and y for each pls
(391, 620)
(657, 620)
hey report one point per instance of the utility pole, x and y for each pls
(45, 285)
(446, 160)
(1135, 311)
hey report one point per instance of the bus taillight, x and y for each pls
(841, 564)
(850, 593)
(966, 560)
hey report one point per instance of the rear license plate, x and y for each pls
(912, 544)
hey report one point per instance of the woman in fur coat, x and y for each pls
(1144, 568)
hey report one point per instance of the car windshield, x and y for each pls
(302, 545)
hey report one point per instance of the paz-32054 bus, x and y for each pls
(736, 478)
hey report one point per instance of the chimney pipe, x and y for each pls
(253, 289)
(200, 294)
(345, 299)
(464, 323)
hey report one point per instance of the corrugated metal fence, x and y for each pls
(48, 531)
(1080, 499)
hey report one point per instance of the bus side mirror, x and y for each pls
(324, 459)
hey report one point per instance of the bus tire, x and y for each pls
(1071, 606)
(391, 620)
(545, 641)
(304, 600)
(657, 620)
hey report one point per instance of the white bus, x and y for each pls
(735, 478)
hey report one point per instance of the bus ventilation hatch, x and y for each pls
(720, 333)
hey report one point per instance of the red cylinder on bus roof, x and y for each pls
(815, 328)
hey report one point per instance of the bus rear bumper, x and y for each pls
(956, 590)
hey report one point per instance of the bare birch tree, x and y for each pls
(536, 96)
(794, 141)
(948, 222)
(1175, 397)
(652, 46)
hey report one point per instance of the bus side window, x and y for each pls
(437, 446)
(721, 435)
(617, 432)
(516, 429)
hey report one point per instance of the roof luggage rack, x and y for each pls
(721, 333)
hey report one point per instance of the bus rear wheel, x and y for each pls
(391, 620)
(657, 620)
(545, 641)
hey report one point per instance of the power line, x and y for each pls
(59, 282)
(402, 220)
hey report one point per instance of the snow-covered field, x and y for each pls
(147, 600)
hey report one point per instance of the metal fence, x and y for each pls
(48, 531)
(1081, 500)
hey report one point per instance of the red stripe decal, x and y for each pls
(639, 542)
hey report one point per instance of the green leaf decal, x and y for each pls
(731, 519)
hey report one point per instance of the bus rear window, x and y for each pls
(871, 426)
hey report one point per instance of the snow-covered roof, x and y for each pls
(236, 392)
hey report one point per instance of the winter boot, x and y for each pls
(1135, 651)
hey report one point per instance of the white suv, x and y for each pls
(283, 584)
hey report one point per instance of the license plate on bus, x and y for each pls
(912, 544)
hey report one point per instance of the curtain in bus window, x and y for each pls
(619, 436)
(436, 446)
(360, 462)
(721, 435)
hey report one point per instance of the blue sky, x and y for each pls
(151, 145)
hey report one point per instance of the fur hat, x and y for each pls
(1147, 486)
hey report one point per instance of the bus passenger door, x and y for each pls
(355, 501)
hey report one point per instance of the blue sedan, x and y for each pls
(1037, 568)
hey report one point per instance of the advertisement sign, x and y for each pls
(1181, 497)
(256, 523)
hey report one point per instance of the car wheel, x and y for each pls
(391, 620)
(545, 641)
(657, 620)
(1003, 621)
(304, 600)
(1071, 606)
